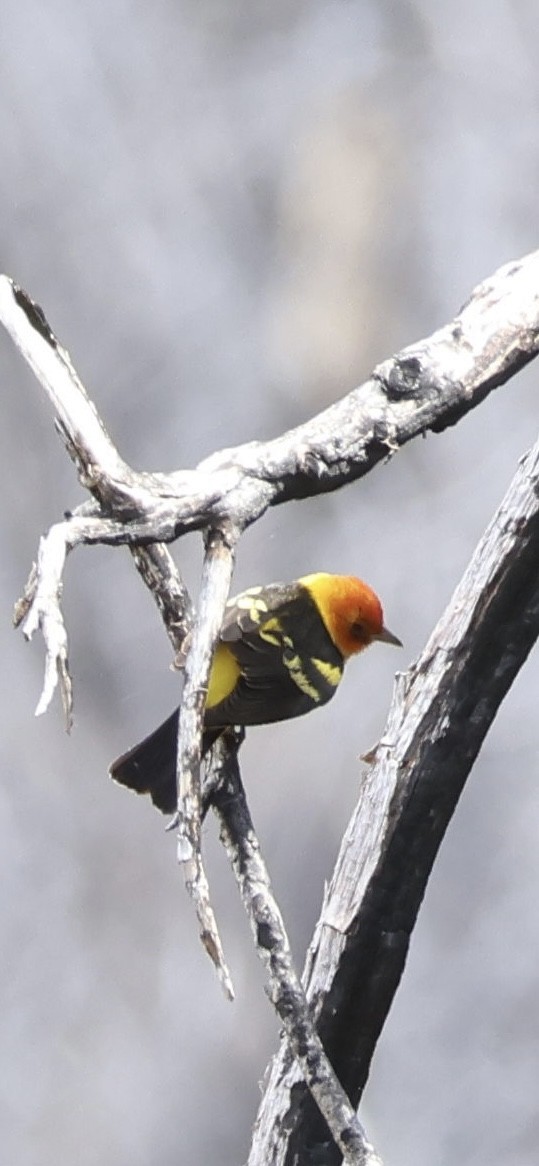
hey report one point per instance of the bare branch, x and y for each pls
(441, 711)
(285, 991)
(51, 364)
(426, 387)
(161, 576)
(216, 576)
(40, 608)
(159, 572)
(224, 791)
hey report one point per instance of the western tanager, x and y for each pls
(281, 653)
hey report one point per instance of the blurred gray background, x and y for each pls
(230, 212)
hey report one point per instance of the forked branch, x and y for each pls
(449, 699)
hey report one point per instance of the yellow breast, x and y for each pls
(224, 674)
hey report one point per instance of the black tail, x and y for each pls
(150, 766)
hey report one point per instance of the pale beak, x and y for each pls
(387, 637)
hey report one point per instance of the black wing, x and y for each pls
(263, 628)
(246, 612)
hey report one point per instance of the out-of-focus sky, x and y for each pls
(230, 212)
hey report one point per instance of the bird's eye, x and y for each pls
(360, 633)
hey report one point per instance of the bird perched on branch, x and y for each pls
(281, 652)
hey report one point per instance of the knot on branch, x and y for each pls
(35, 315)
(402, 378)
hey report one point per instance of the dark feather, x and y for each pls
(265, 691)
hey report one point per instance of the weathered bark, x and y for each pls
(441, 711)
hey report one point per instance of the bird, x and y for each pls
(281, 653)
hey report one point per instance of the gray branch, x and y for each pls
(216, 576)
(441, 711)
(428, 386)
(224, 792)
(285, 991)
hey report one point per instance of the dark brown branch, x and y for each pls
(441, 711)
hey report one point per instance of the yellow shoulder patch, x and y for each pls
(250, 601)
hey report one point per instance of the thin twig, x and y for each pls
(216, 577)
(159, 572)
(40, 605)
(51, 364)
(238, 836)
(39, 608)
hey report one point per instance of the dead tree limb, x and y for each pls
(426, 387)
(441, 711)
(239, 839)
(215, 586)
(224, 792)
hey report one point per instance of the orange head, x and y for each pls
(350, 610)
